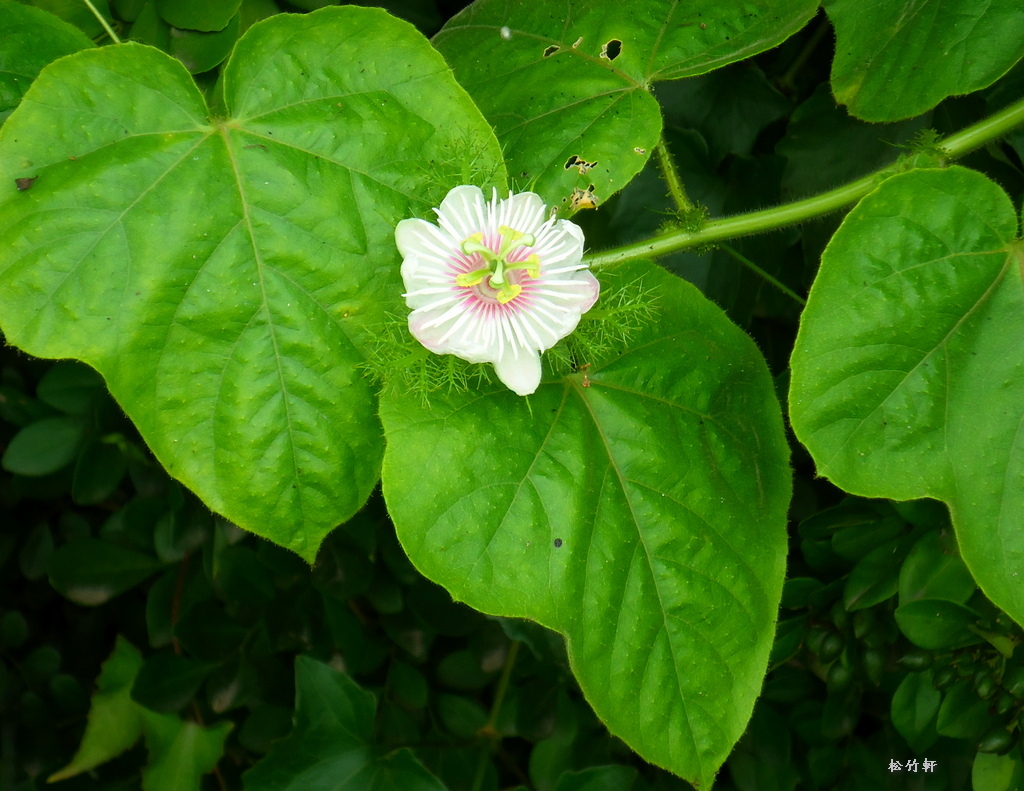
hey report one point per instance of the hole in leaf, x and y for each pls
(579, 163)
(612, 49)
(551, 50)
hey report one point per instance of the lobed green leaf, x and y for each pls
(908, 376)
(637, 507)
(898, 58)
(223, 275)
(567, 85)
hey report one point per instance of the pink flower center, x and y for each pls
(499, 279)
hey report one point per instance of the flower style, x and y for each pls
(495, 281)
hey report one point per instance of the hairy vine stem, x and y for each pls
(684, 206)
(672, 178)
(719, 230)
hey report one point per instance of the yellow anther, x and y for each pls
(467, 279)
(509, 292)
(475, 244)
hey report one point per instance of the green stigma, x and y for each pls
(497, 263)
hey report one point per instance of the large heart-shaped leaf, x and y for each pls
(908, 371)
(566, 84)
(222, 274)
(29, 39)
(638, 507)
(897, 58)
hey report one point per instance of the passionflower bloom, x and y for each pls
(494, 281)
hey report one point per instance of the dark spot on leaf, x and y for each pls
(612, 49)
(551, 50)
(24, 184)
(257, 145)
(558, 543)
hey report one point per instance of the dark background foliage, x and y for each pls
(97, 541)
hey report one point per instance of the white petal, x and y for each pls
(423, 299)
(461, 210)
(561, 251)
(590, 288)
(560, 270)
(571, 228)
(465, 342)
(422, 239)
(524, 212)
(554, 326)
(521, 373)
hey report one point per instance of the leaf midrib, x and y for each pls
(942, 344)
(650, 570)
(271, 328)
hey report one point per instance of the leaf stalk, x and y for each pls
(490, 731)
(100, 18)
